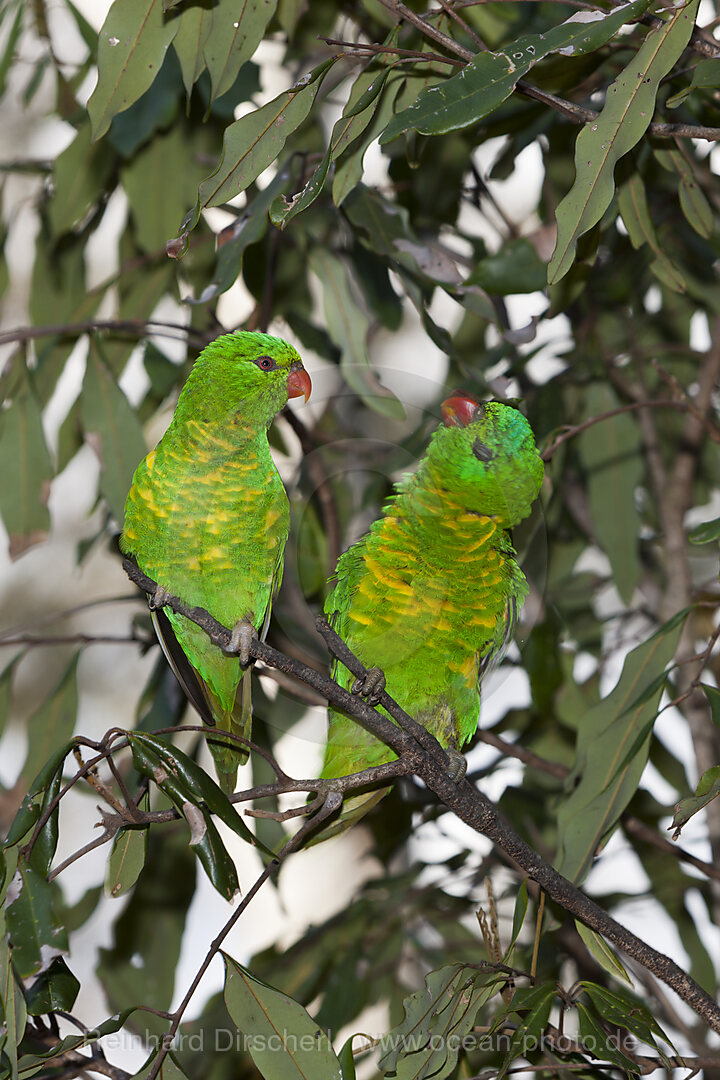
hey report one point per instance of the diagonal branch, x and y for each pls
(427, 760)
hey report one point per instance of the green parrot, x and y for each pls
(429, 596)
(207, 517)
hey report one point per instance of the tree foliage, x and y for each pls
(346, 174)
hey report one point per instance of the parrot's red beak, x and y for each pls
(299, 384)
(459, 410)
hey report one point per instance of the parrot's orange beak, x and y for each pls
(299, 384)
(459, 410)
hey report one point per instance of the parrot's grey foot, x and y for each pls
(457, 765)
(371, 686)
(243, 634)
(159, 598)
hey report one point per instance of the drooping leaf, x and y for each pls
(612, 748)
(348, 327)
(133, 41)
(623, 121)
(126, 861)
(256, 140)
(706, 533)
(602, 952)
(112, 429)
(140, 955)
(160, 183)
(708, 788)
(633, 205)
(609, 451)
(205, 839)
(281, 1037)
(52, 724)
(36, 935)
(235, 32)
(694, 205)
(26, 470)
(189, 43)
(198, 783)
(357, 114)
(80, 176)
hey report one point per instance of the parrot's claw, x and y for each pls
(457, 765)
(243, 633)
(159, 598)
(370, 686)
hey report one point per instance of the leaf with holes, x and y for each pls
(133, 41)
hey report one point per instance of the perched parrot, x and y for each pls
(207, 517)
(429, 596)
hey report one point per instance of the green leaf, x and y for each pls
(594, 1034)
(348, 327)
(204, 838)
(131, 48)
(713, 695)
(235, 33)
(199, 784)
(516, 268)
(26, 470)
(189, 43)
(281, 1037)
(621, 1008)
(36, 936)
(347, 1060)
(706, 76)
(708, 789)
(532, 1005)
(610, 453)
(490, 77)
(624, 119)
(160, 182)
(249, 228)
(349, 166)
(608, 772)
(256, 140)
(598, 946)
(357, 114)
(52, 724)
(521, 906)
(706, 533)
(141, 956)
(127, 859)
(694, 205)
(80, 177)
(112, 429)
(428, 1039)
(633, 205)
(54, 989)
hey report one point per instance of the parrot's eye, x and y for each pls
(479, 412)
(482, 452)
(265, 363)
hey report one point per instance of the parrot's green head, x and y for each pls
(488, 455)
(247, 373)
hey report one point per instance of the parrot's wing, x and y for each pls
(503, 637)
(275, 584)
(185, 673)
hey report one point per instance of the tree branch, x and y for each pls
(427, 760)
